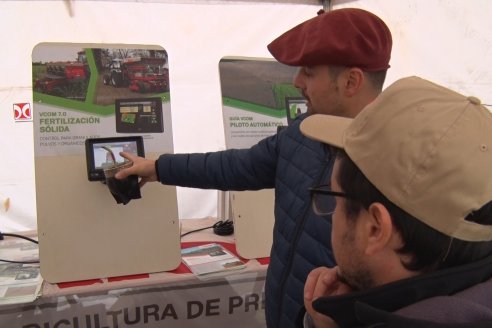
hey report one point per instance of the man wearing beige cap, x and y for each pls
(343, 57)
(412, 226)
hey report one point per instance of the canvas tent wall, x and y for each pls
(447, 41)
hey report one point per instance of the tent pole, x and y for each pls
(326, 5)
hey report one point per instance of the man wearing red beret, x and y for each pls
(343, 56)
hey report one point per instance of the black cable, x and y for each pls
(224, 228)
(221, 228)
(20, 262)
(2, 235)
(18, 236)
(187, 233)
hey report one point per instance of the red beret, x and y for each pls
(343, 37)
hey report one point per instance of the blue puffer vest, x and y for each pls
(291, 163)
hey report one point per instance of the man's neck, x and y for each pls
(359, 103)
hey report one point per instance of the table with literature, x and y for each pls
(234, 296)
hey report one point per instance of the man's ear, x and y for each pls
(378, 228)
(353, 82)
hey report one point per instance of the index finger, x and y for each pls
(310, 283)
(128, 156)
(128, 171)
(319, 282)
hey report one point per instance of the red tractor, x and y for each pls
(139, 74)
(62, 78)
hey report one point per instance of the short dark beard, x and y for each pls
(361, 280)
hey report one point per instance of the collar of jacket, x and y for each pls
(343, 309)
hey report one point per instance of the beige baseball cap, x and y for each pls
(427, 148)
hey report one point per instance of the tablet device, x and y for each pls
(295, 106)
(98, 157)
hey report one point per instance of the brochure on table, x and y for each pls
(210, 260)
(19, 282)
(85, 91)
(258, 99)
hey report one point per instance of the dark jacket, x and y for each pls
(458, 297)
(291, 163)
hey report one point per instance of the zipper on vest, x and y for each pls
(324, 171)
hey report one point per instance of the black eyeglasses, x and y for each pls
(322, 199)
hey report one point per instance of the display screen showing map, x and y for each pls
(139, 115)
